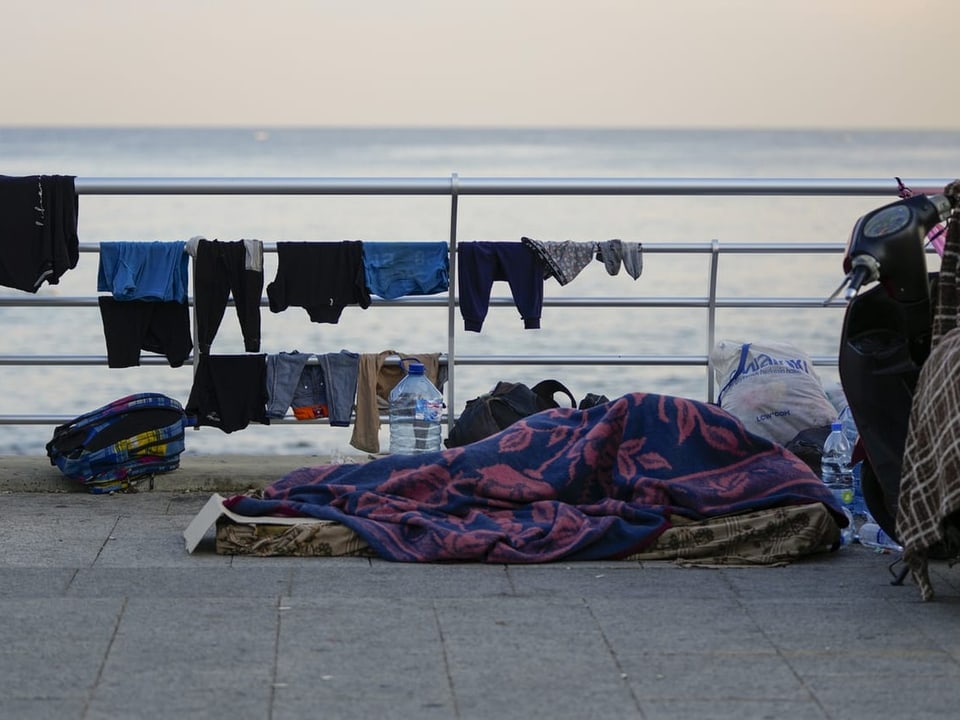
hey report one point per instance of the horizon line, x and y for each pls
(266, 127)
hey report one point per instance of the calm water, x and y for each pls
(265, 152)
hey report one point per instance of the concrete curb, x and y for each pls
(226, 474)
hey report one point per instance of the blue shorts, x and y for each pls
(395, 269)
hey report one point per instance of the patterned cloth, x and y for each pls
(571, 484)
(562, 260)
(766, 537)
(310, 538)
(930, 481)
(774, 536)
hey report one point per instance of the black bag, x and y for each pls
(501, 407)
(808, 446)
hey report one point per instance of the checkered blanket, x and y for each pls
(930, 479)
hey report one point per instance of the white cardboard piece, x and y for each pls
(214, 510)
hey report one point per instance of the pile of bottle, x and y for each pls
(843, 479)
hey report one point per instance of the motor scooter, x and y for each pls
(886, 337)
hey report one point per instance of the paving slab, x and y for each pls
(231, 473)
(103, 614)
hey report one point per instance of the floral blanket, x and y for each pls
(562, 484)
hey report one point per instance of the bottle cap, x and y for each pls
(415, 368)
(836, 426)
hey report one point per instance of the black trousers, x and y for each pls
(220, 270)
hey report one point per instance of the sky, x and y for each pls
(484, 63)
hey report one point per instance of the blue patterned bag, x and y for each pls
(111, 448)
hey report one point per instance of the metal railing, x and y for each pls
(455, 187)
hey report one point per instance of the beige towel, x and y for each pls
(375, 380)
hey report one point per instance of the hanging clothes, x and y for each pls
(562, 260)
(222, 268)
(229, 391)
(321, 277)
(396, 269)
(374, 383)
(482, 263)
(614, 252)
(150, 271)
(38, 230)
(324, 390)
(130, 326)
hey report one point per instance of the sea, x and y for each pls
(262, 152)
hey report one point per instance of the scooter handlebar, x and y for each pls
(864, 269)
(943, 205)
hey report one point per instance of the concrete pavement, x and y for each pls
(197, 473)
(103, 614)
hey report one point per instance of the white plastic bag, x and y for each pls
(771, 387)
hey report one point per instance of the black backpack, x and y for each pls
(808, 446)
(501, 407)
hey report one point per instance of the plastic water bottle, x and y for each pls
(416, 407)
(872, 535)
(838, 475)
(861, 513)
(858, 507)
(849, 425)
(859, 504)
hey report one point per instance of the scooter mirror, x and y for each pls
(893, 238)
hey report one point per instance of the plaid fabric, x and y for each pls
(77, 448)
(774, 536)
(930, 480)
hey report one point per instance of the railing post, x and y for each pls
(712, 312)
(451, 304)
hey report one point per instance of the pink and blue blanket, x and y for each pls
(562, 484)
